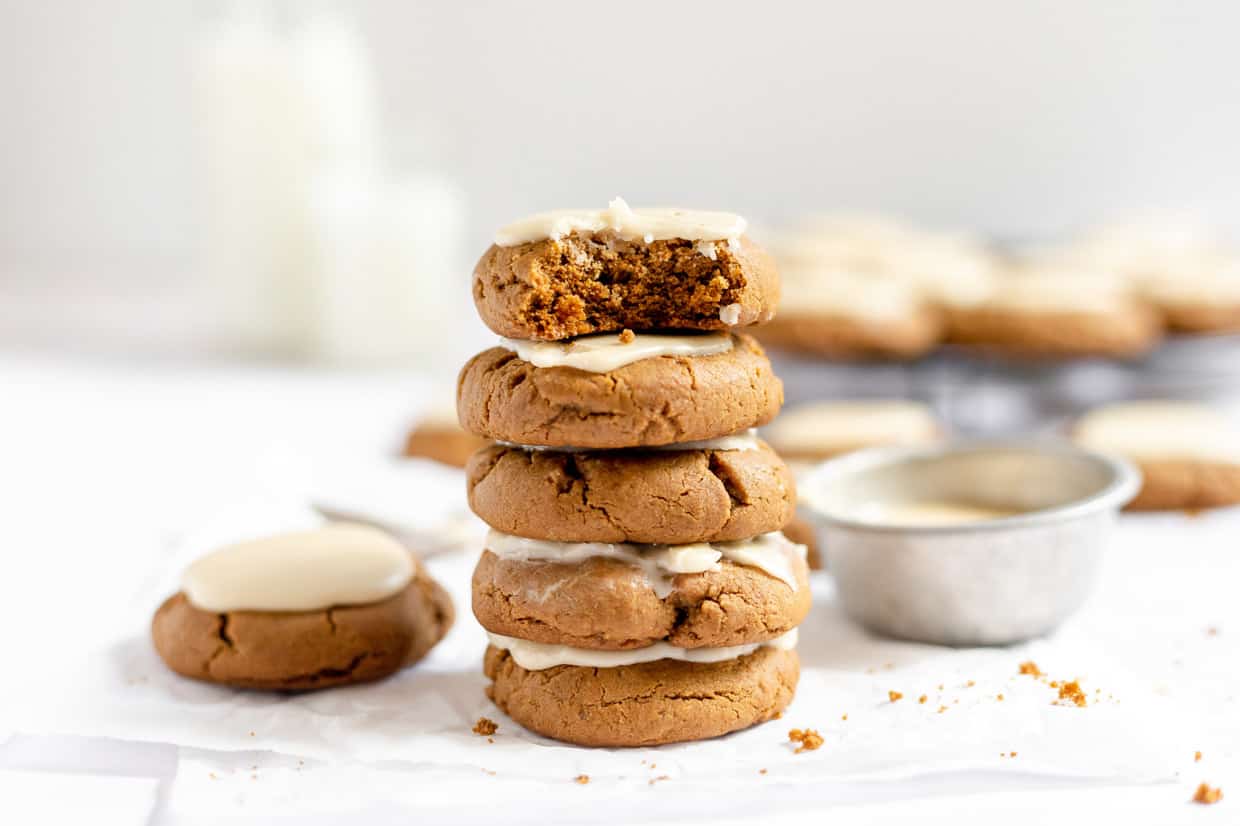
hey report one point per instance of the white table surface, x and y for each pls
(101, 464)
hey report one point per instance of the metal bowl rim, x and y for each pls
(1124, 483)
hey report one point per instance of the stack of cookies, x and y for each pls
(635, 585)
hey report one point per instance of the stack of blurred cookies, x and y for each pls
(635, 586)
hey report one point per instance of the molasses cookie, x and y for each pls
(718, 490)
(557, 275)
(341, 605)
(1059, 316)
(1189, 454)
(842, 315)
(618, 596)
(645, 703)
(614, 391)
(820, 430)
(1206, 302)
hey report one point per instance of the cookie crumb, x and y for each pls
(1011, 754)
(654, 780)
(779, 715)
(970, 684)
(922, 699)
(845, 717)
(809, 739)
(999, 697)
(581, 779)
(1196, 757)
(761, 771)
(1070, 692)
(1207, 795)
(488, 771)
(627, 336)
(1031, 668)
(940, 686)
(212, 775)
(942, 709)
(485, 727)
(251, 734)
(892, 696)
(1212, 631)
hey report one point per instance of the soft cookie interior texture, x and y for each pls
(554, 289)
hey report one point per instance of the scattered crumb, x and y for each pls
(581, 779)
(1206, 794)
(652, 765)
(942, 709)
(778, 715)
(490, 739)
(251, 734)
(940, 686)
(488, 771)
(894, 695)
(1011, 754)
(1054, 683)
(1031, 668)
(654, 780)
(1070, 692)
(999, 697)
(485, 727)
(761, 771)
(970, 684)
(1196, 757)
(627, 336)
(809, 739)
(212, 775)
(1211, 631)
(845, 717)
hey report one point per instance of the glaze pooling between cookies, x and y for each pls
(340, 564)
(644, 224)
(773, 553)
(537, 656)
(604, 352)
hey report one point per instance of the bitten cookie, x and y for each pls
(649, 402)
(348, 605)
(562, 274)
(731, 488)
(1189, 454)
(612, 603)
(648, 704)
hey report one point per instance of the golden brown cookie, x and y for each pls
(672, 497)
(847, 338)
(665, 701)
(299, 651)
(1200, 318)
(449, 445)
(609, 604)
(1186, 484)
(1130, 331)
(801, 531)
(557, 289)
(655, 401)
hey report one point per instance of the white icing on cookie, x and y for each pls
(536, 656)
(646, 224)
(604, 352)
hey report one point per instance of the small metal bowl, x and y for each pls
(991, 582)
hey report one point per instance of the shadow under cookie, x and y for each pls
(667, 496)
(654, 401)
(649, 704)
(303, 650)
(607, 604)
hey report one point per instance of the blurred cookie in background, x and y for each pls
(1208, 302)
(801, 531)
(1046, 312)
(840, 314)
(439, 436)
(1189, 453)
(811, 432)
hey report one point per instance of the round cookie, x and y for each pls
(1204, 301)
(815, 431)
(609, 604)
(841, 315)
(647, 496)
(554, 289)
(299, 651)
(1064, 315)
(651, 402)
(664, 701)
(1189, 455)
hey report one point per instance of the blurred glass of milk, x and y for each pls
(314, 250)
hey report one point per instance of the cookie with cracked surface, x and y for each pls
(301, 651)
(665, 701)
(553, 289)
(651, 402)
(610, 604)
(672, 497)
